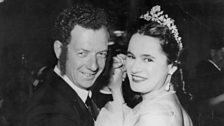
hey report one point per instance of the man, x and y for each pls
(81, 47)
(210, 86)
(209, 72)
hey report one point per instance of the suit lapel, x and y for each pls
(72, 98)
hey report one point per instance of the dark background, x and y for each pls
(25, 26)
(26, 43)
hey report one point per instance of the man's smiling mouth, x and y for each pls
(88, 75)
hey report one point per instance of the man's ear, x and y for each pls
(57, 48)
(172, 69)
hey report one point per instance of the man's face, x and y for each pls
(86, 55)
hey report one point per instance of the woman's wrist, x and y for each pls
(118, 95)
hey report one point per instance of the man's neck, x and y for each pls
(81, 92)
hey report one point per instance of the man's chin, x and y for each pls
(87, 84)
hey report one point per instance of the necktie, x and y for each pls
(92, 107)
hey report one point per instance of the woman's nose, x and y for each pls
(135, 67)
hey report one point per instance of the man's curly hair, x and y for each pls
(84, 15)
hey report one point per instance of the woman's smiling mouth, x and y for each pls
(137, 78)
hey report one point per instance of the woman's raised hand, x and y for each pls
(118, 72)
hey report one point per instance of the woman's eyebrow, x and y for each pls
(129, 53)
(147, 55)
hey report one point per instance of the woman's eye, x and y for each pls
(148, 60)
(130, 56)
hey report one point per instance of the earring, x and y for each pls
(167, 88)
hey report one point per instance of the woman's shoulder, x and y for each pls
(165, 105)
(166, 109)
(157, 108)
(155, 114)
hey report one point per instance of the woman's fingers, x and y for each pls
(116, 62)
(118, 71)
(119, 61)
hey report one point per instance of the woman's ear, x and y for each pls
(57, 48)
(172, 69)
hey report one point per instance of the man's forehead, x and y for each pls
(88, 37)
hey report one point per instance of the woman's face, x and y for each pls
(147, 66)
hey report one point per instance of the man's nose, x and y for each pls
(93, 64)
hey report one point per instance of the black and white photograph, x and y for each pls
(111, 62)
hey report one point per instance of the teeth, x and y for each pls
(87, 74)
(135, 78)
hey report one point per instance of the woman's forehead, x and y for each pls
(144, 44)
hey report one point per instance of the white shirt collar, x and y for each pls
(214, 64)
(82, 93)
(105, 90)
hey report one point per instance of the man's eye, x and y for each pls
(82, 54)
(147, 59)
(102, 54)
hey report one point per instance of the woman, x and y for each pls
(152, 59)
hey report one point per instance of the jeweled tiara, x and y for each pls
(157, 15)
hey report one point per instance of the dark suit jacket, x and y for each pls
(209, 80)
(55, 103)
(206, 69)
(209, 84)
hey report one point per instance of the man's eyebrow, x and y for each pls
(85, 50)
(104, 50)
(82, 50)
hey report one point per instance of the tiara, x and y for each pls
(157, 15)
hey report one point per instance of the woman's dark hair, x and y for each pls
(168, 42)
